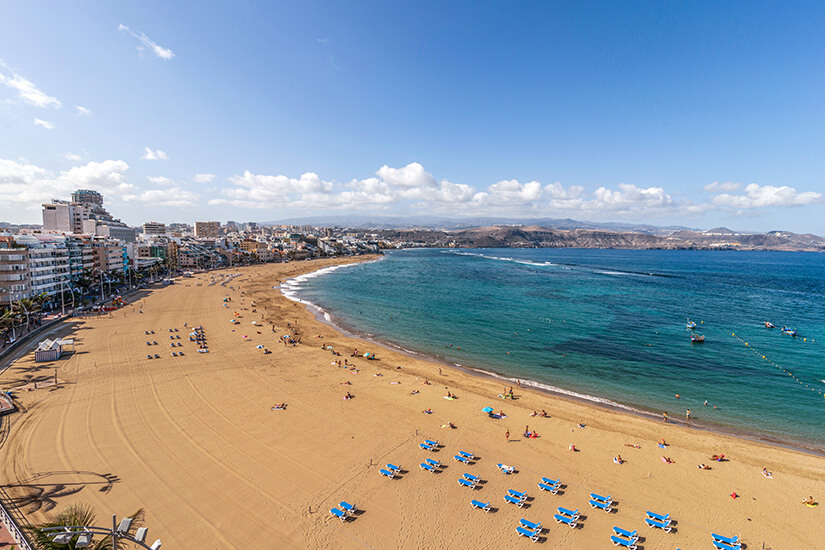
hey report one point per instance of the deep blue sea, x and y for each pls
(609, 324)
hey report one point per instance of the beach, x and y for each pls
(195, 442)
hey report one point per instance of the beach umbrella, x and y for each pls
(487, 409)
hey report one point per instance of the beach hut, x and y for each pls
(51, 350)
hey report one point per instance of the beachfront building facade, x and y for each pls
(48, 263)
(84, 214)
(14, 271)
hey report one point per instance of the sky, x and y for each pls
(668, 113)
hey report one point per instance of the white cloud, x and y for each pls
(204, 178)
(411, 187)
(25, 185)
(44, 124)
(154, 155)
(82, 111)
(723, 186)
(175, 197)
(73, 157)
(161, 52)
(27, 91)
(161, 180)
(761, 196)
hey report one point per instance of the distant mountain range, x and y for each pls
(542, 237)
(432, 222)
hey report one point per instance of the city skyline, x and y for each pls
(681, 114)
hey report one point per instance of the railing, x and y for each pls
(13, 520)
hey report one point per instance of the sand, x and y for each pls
(193, 441)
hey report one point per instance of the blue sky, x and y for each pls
(664, 113)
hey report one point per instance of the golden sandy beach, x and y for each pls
(193, 441)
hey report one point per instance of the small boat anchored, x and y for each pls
(789, 331)
(768, 324)
(691, 324)
(696, 339)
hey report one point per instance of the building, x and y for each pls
(14, 271)
(207, 229)
(154, 228)
(48, 263)
(108, 256)
(84, 215)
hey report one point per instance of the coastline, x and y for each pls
(328, 318)
(198, 444)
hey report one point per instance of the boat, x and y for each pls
(696, 339)
(789, 331)
(768, 324)
(691, 324)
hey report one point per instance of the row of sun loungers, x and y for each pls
(725, 543)
(600, 502)
(619, 537)
(345, 510)
(529, 529)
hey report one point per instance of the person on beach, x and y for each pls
(766, 473)
(618, 459)
(527, 431)
(572, 448)
(664, 417)
(809, 501)
(543, 414)
(534, 413)
(687, 414)
(507, 435)
(703, 467)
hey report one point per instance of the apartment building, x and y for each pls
(207, 229)
(14, 271)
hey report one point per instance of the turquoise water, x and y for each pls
(609, 324)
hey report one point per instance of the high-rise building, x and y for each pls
(87, 196)
(85, 215)
(207, 229)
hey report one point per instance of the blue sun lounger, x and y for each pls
(388, 473)
(468, 456)
(617, 541)
(567, 520)
(660, 517)
(340, 514)
(632, 535)
(532, 535)
(433, 463)
(467, 483)
(548, 481)
(601, 505)
(514, 500)
(726, 540)
(427, 467)
(570, 513)
(723, 546)
(529, 524)
(426, 447)
(471, 477)
(552, 488)
(517, 494)
(462, 459)
(608, 499)
(346, 506)
(393, 467)
(431, 443)
(663, 525)
(480, 505)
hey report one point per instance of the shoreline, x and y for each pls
(199, 442)
(603, 403)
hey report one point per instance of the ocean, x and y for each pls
(608, 326)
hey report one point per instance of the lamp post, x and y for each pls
(85, 534)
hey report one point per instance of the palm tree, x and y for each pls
(75, 515)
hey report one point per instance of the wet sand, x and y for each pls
(193, 441)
